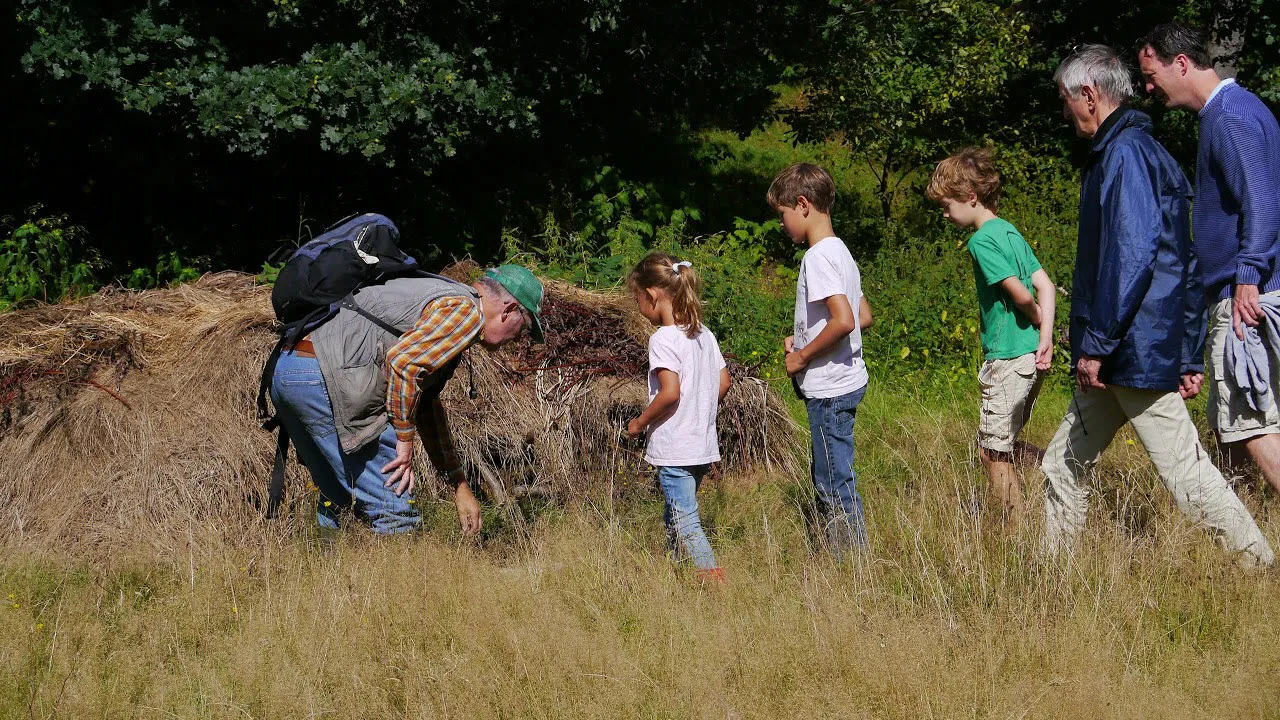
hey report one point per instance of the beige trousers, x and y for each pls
(1165, 429)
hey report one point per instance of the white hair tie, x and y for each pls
(675, 268)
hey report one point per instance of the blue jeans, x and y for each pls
(344, 479)
(834, 479)
(684, 527)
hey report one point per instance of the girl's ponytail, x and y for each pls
(686, 305)
(681, 283)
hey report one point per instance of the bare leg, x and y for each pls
(1264, 450)
(1027, 455)
(1006, 486)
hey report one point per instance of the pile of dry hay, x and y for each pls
(127, 419)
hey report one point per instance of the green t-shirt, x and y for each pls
(999, 251)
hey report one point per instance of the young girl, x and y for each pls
(687, 381)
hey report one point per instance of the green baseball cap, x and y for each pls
(525, 288)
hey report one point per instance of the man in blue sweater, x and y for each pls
(1236, 221)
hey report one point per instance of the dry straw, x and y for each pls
(128, 418)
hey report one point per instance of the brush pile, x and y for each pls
(127, 419)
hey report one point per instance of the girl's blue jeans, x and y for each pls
(685, 535)
(345, 480)
(834, 479)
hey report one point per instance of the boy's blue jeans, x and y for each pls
(684, 527)
(834, 479)
(302, 403)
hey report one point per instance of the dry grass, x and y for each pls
(585, 618)
(141, 583)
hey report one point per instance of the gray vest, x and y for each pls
(352, 352)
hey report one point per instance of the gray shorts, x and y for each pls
(1229, 413)
(1009, 391)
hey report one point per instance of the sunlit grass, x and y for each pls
(584, 616)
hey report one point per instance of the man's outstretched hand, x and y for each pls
(468, 510)
(401, 468)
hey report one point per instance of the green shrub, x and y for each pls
(43, 259)
(170, 269)
(748, 295)
(916, 273)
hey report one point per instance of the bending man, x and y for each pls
(353, 396)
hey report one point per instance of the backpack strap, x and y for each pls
(269, 421)
(289, 336)
(275, 491)
(349, 302)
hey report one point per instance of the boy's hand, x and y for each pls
(789, 344)
(634, 429)
(795, 363)
(1044, 355)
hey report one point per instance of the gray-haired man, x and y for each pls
(1137, 315)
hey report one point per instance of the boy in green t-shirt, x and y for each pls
(1017, 326)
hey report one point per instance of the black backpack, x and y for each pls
(316, 282)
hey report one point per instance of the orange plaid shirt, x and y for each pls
(446, 328)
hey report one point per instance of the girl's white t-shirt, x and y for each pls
(687, 435)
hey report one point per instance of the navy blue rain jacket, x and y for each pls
(1136, 299)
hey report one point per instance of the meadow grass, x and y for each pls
(583, 616)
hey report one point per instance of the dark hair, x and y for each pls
(1170, 40)
(803, 179)
(683, 286)
(968, 171)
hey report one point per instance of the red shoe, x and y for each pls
(714, 575)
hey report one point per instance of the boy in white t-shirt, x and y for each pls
(824, 355)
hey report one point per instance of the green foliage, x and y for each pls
(43, 259)
(354, 97)
(409, 81)
(747, 295)
(917, 274)
(269, 273)
(902, 82)
(875, 92)
(170, 269)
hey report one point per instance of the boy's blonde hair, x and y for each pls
(682, 285)
(806, 179)
(969, 171)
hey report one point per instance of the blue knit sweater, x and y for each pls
(1236, 219)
